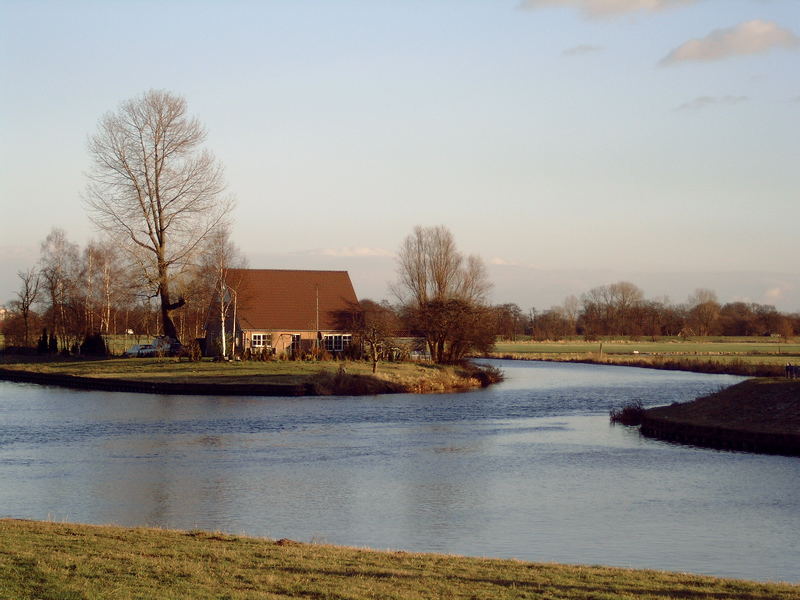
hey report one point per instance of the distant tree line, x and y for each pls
(621, 309)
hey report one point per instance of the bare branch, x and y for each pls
(154, 188)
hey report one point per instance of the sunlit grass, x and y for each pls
(49, 561)
(752, 346)
(399, 376)
(741, 356)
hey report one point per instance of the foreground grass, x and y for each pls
(62, 561)
(324, 376)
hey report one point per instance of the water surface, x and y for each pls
(529, 469)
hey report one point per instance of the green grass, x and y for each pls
(738, 356)
(751, 346)
(399, 376)
(62, 561)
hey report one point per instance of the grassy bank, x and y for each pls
(321, 378)
(751, 357)
(60, 561)
(766, 405)
(757, 415)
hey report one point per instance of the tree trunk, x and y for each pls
(166, 307)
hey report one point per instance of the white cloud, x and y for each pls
(607, 8)
(775, 293)
(502, 262)
(750, 37)
(708, 101)
(581, 50)
(349, 252)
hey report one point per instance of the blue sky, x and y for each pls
(570, 143)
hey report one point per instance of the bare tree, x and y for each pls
(571, 309)
(377, 324)
(27, 296)
(704, 311)
(222, 264)
(105, 284)
(153, 187)
(444, 295)
(60, 262)
(430, 268)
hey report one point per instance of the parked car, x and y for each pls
(132, 351)
(161, 346)
(147, 350)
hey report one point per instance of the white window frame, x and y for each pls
(337, 342)
(261, 340)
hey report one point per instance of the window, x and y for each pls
(295, 347)
(337, 343)
(261, 340)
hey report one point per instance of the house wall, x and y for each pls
(281, 341)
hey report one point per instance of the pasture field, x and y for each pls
(704, 346)
(63, 561)
(737, 356)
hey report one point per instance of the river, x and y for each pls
(529, 468)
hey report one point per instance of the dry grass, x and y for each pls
(61, 561)
(733, 364)
(758, 405)
(324, 377)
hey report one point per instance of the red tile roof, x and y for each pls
(286, 300)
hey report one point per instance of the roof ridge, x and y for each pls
(292, 270)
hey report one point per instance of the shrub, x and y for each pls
(94, 345)
(485, 374)
(195, 351)
(630, 414)
(42, 346)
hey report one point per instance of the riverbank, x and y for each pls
(746, 366)
(758, 415)
(55, 560)
(749, 357)
(250, 378)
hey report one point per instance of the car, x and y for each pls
(132, 351)
(140, 350)
(147, 350)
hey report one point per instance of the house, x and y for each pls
(283, 311)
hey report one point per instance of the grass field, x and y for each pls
(48, 561)
(401, 376)
(706, 347)
(737, 356)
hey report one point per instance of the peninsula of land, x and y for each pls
(248, 378)
(757, 415)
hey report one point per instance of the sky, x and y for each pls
(569, 143)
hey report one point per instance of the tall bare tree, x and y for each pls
(154, 187)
